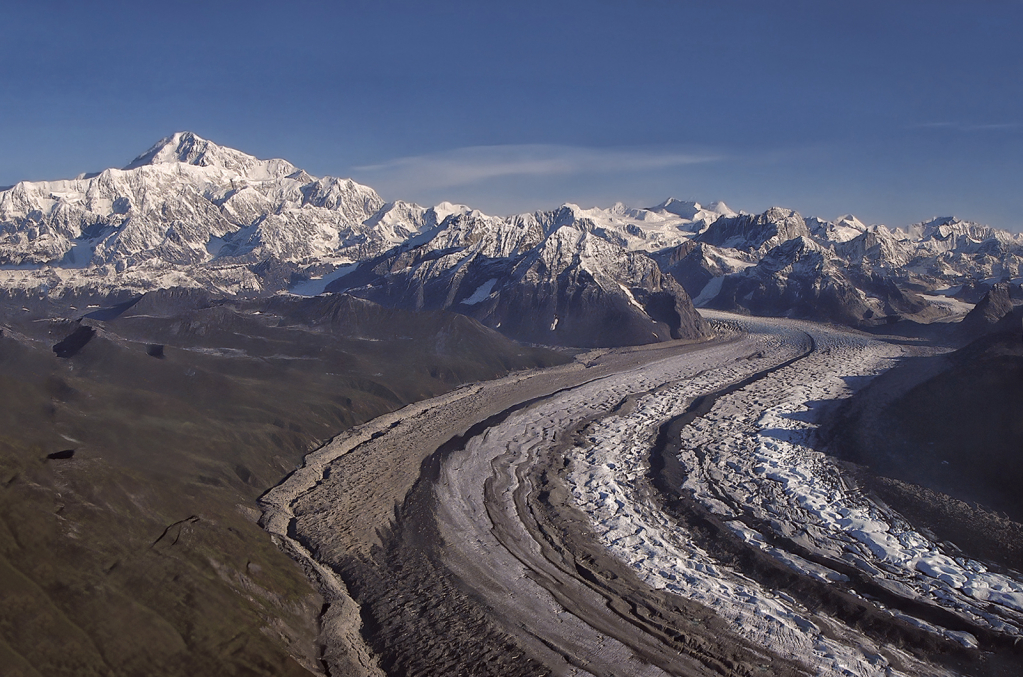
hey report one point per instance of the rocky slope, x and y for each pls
(941, 438)
(990, 311)
(131, 461)
(546, 277)
(779, 263)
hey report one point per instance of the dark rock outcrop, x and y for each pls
(548, 283)
(755, 232)
(74, 342)
(62, 455)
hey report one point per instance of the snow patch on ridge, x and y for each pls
(632, 299)
(481, 293)
(316, 285)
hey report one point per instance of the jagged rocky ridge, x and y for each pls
(189, 213)
(544, 277)
(779, 263)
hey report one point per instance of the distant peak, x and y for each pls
(446, 209)
(851, 221)
(780, 213)
(184, 147)
(190, 148)
(690, 209)
(684, 208)
(674, 201)
(719, 207)
(939, 221)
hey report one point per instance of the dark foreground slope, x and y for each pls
(129, 471)
(945, 434)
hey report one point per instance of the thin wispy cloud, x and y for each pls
(464, 166)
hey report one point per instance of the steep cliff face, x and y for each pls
(755, 232)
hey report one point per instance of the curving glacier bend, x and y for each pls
(752, 457)
(548, 520)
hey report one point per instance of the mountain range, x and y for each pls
(189, 213)
(179, 334)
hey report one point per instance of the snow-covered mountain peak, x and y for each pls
(691, 210)
(927, 229)
(719, 207)
(939, 221)
(850, 221)
(574, 212)
(446, 209)
(595, 214)
(687, 209)
(191, 149)
(950, 232)
(190, 213)
(779, 214)
(181, 147)
(843, 229)
(948, 226)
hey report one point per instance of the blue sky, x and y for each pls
(893, 111)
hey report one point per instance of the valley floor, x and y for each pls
(651, 511)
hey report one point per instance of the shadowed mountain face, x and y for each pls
(992, 312)
(949, 431)
(557, 284)
(755, 232)
(128, 476)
